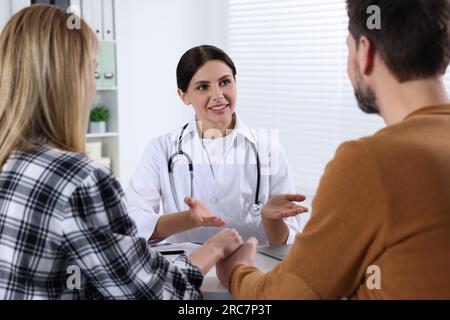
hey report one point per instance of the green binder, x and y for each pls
(107, 65)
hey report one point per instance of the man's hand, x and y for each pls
(283, 206)
(201, 216)
(245, 255)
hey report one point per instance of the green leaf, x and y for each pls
(99, 114)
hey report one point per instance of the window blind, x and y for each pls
(291, 57)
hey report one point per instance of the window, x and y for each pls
(291, 57)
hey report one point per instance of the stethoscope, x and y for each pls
(255, 208)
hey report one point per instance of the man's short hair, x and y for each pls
(414, 39)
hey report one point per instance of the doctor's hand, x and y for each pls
(283, 206)
(245, 255)
(201, 216)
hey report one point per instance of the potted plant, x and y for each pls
(98, 117)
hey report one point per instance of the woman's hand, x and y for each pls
(219, 247)
(225, 242)
(201, 216)
(283, 206)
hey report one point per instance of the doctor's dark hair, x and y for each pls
(196, 58)
(414, 39)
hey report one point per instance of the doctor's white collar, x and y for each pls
(240, 128)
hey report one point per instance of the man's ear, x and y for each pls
(366, 55)
(184, 97)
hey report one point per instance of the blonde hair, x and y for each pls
(45, 71)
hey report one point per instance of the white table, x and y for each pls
(212, 288)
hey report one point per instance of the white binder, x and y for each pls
(76, 5)
(75, 8)
(92, 13)
(108, 20)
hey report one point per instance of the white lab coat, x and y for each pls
(227, 187)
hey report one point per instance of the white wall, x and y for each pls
(152, 36)
(5, 12)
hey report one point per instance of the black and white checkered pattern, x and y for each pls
(59, 210)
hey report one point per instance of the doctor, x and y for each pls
(230, 170)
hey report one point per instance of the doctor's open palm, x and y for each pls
(201, 215)
(283, 206)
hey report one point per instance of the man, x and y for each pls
(380, 227)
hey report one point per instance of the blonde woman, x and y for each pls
(59, 211)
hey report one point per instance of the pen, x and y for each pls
(171, 252)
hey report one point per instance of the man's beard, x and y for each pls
(366, 98)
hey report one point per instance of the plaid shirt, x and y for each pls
(61, 212)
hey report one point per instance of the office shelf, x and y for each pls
(102, 135)
(107, 89)
(101, 17)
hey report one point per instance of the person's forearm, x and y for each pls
(277, 231)
(206, 257)
(245, 283)
(170, 224)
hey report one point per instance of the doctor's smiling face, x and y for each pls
(212, 93)
(206, 79)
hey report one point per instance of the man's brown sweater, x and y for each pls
(382, 212)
